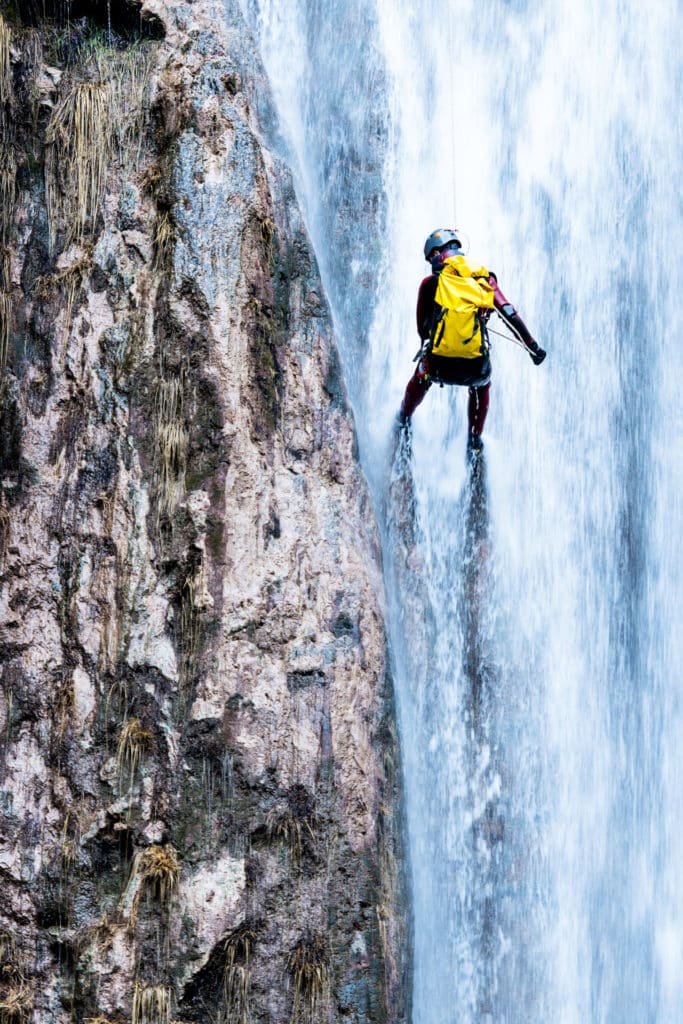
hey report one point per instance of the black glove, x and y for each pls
(538, 355)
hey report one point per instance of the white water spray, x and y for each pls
(538, 661)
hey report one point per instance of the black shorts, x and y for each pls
(473, 373)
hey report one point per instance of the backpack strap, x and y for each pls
(438, 327)
(483, 327)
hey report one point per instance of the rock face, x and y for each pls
(199, 768)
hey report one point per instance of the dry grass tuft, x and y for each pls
(128, 74)
(63, 708)
(382, 918)
(155, 872)
(16, 1004)
(308, 965)
(291, 830)
(190, 620)
(171, 439)
(237, 975)
(77, 155)
(151, 1005)
(5, 66)
(103, 114)
(4, 529)
(9, 717)
(5, 267)
(150, 179)
(8, 175)
(70, 279)
(67, 848)
(8, 949)
(134, 741)
(32, 58)
(12, 979)
(267, 232)
(164, 240)
(5, 324)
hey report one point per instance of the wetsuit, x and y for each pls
(472, 373)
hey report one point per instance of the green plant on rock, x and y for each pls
(309, 967)
(151, 1004)
(77, 151)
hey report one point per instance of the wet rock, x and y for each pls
(199, 768)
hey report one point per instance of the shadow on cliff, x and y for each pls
(124, 19)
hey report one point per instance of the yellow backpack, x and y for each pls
(462, 290)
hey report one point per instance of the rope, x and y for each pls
(508, 337)
(451, 62)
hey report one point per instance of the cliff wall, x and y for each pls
(198, 761)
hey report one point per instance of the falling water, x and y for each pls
(534, 616)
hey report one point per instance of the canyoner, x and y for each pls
(454, 305)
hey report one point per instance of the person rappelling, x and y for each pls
(454, 304)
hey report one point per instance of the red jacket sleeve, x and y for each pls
(511, 317)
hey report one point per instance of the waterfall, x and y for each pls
(534, 618)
